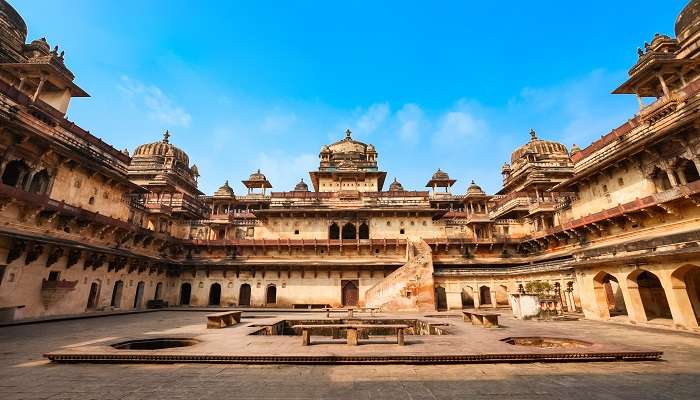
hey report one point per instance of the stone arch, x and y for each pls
(686, 280)
(15, 172)
(467, 297)
(334, 231)
(364, 231)
(244, 295)
(687, 171)
(271, 294)
(185, 293)
(651, 293)
(608, 295)
(502, 295)
(440, 298)
(117, 294)
(349, 231)
(158, 295)
(660, 179)
(94, 295)
(40, 182)
(215, 294)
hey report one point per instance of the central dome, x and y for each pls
(162, 149)
(688, 20)
(538, 147)
(348, 145)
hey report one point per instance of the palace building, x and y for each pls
(613, 227)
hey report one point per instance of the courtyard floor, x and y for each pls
(26, 374)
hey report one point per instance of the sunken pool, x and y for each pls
(154, 344)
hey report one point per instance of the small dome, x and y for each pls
(474, 189)
(224, 191)
(257, 176)
(325, 149)
(688, 21)
(348, 145)
(575, 149)
(395, 186)
(440, 175)
(301, 186)
(505, 167)
(163, 148)
(370, 148)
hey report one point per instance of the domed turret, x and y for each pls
(688, 21)
(474, 189)
(301, 186)
(395, 186)
(163, 149)
(257, 176)
(440, 175)
(13, 33)
(224, 191)
(537, 148)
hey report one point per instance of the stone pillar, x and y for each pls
(640, 101)
(678, 302)
(681, 176)
(492, 293)
(633, 301)
(664, 87)
(671, 177)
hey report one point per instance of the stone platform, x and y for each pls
(462, 343)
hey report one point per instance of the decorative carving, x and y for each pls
(54, 254)
(33, 253)
(73, 257)
(16, 250)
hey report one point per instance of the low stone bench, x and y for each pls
(485, 319)
(351, 330)
(223, 319)
(350, 311)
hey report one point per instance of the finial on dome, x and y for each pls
(166, 136)
(533, 134)
(473, 183)
(348, 134)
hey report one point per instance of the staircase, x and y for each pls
(410, 287)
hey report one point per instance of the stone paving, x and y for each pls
(27, 375)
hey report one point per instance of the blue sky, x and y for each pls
(264, 84)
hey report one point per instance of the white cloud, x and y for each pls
(373, 118)
(278, 122)
(158, 105)
(411, 120)
(458, 125)
(284, 170)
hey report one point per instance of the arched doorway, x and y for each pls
(608, 295)
(349, 231)
(690, 173)
(364, 231)
(138, 298)
(467, 297)
(185, 293)
(440, 298)
(350, 292)
(271, 295)
(689, 276)
(661, 180)
(484, 295)
(93, 297)
(215, 294)
(334, 231)
(117, 294)
(244, 295)
(14, 173)
(652, 294)
(159, 291)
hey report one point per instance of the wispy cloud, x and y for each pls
(373, 118)
(158, 105)
(284, 170)
(278, 121)
(411, 121)
(460, 124)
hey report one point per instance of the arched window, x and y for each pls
(349, 231)
(159, 291)
(334, 231)
(138, 298)
(40, 182)
(244, 295)
(15, 171)
(364, 231)
(94, 296)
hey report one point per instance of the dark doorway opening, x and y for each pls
(244, 295)
(334, 231)
(271, 295)
(349, 231)
(364, 231)
(185, 293)
(215, 294)
(440, 298)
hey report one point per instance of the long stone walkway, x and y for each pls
(27, 375)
